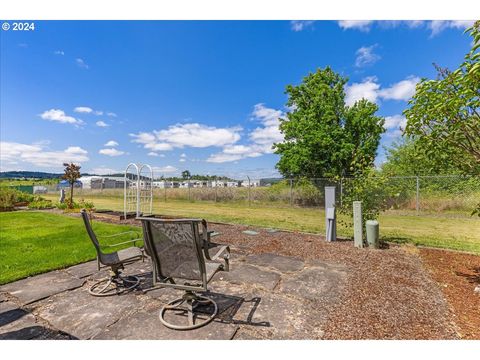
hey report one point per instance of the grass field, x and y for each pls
(452, 231)
(36, 242)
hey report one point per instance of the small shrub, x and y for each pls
(8, 198)
(75, 206)
(40, 204)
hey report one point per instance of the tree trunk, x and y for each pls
(71, 195)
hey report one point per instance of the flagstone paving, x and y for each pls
(264, 296)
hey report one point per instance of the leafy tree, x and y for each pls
(371, 188)
(406, 158)
(323, 136)
(444, 114)
(185, 174)
(71, 174)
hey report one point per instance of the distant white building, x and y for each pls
(253, 183)
(163, 184)
(102, 182)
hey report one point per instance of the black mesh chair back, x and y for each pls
(176, 249)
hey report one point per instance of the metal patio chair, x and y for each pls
(115, 283)
(181, 260)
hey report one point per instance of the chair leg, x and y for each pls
(187, 305)
(115, 284)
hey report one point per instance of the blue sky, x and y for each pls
(198, 95)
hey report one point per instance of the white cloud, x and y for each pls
(164, 169)
(102, 170)
(366, 56)
(111, 143)
(394, 125)
(437, 26)
(403, 90)
(87, 110)
(59, 52)
(192, 135)
(112, 114)
(299, 25)
(368, 89)
(101, 123)
(83, 109)
(38, 155)
(262, 138)
(371, 90)
(182, 160)
(395, 122)
(155, 154)
(362, 25)
(58, 115)
(111, 152)
(183, 155)
(82, 64)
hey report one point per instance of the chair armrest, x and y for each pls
(225, 251)
(118, 234)
(122, 243)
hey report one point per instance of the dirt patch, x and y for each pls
(458, 274)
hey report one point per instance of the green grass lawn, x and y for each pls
(452, 231)
(36, 242)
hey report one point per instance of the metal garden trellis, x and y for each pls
(138, 190)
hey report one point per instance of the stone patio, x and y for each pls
(264, 296)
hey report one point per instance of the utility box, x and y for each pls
(330, 214)
(373, 238)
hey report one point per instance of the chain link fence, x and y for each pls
(408, 193)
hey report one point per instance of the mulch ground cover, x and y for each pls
(458, 274)
(398, 292)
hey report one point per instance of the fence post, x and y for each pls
(417, 202)
(291, 192)
(341, 191)
(165, 188)
(249, 199)
(188, 189)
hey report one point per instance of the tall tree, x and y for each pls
(186, 174)
(323, 136)
(444, 114)
(71, 174)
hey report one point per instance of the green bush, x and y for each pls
(8, 198)
(40, 204)
(75, 206)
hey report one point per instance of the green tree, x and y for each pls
(185, 174)
(406, 158)
(444, 114)
(323, 136)
(71, 174)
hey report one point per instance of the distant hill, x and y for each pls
(28, 175)
(33, 175)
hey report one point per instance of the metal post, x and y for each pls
(188, 189)
(330, 216)
(215, 188)
(341, 191)
(418, 195)
(249, 199)
(291, 192)
(164, 188)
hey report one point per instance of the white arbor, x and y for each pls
(138, 190)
